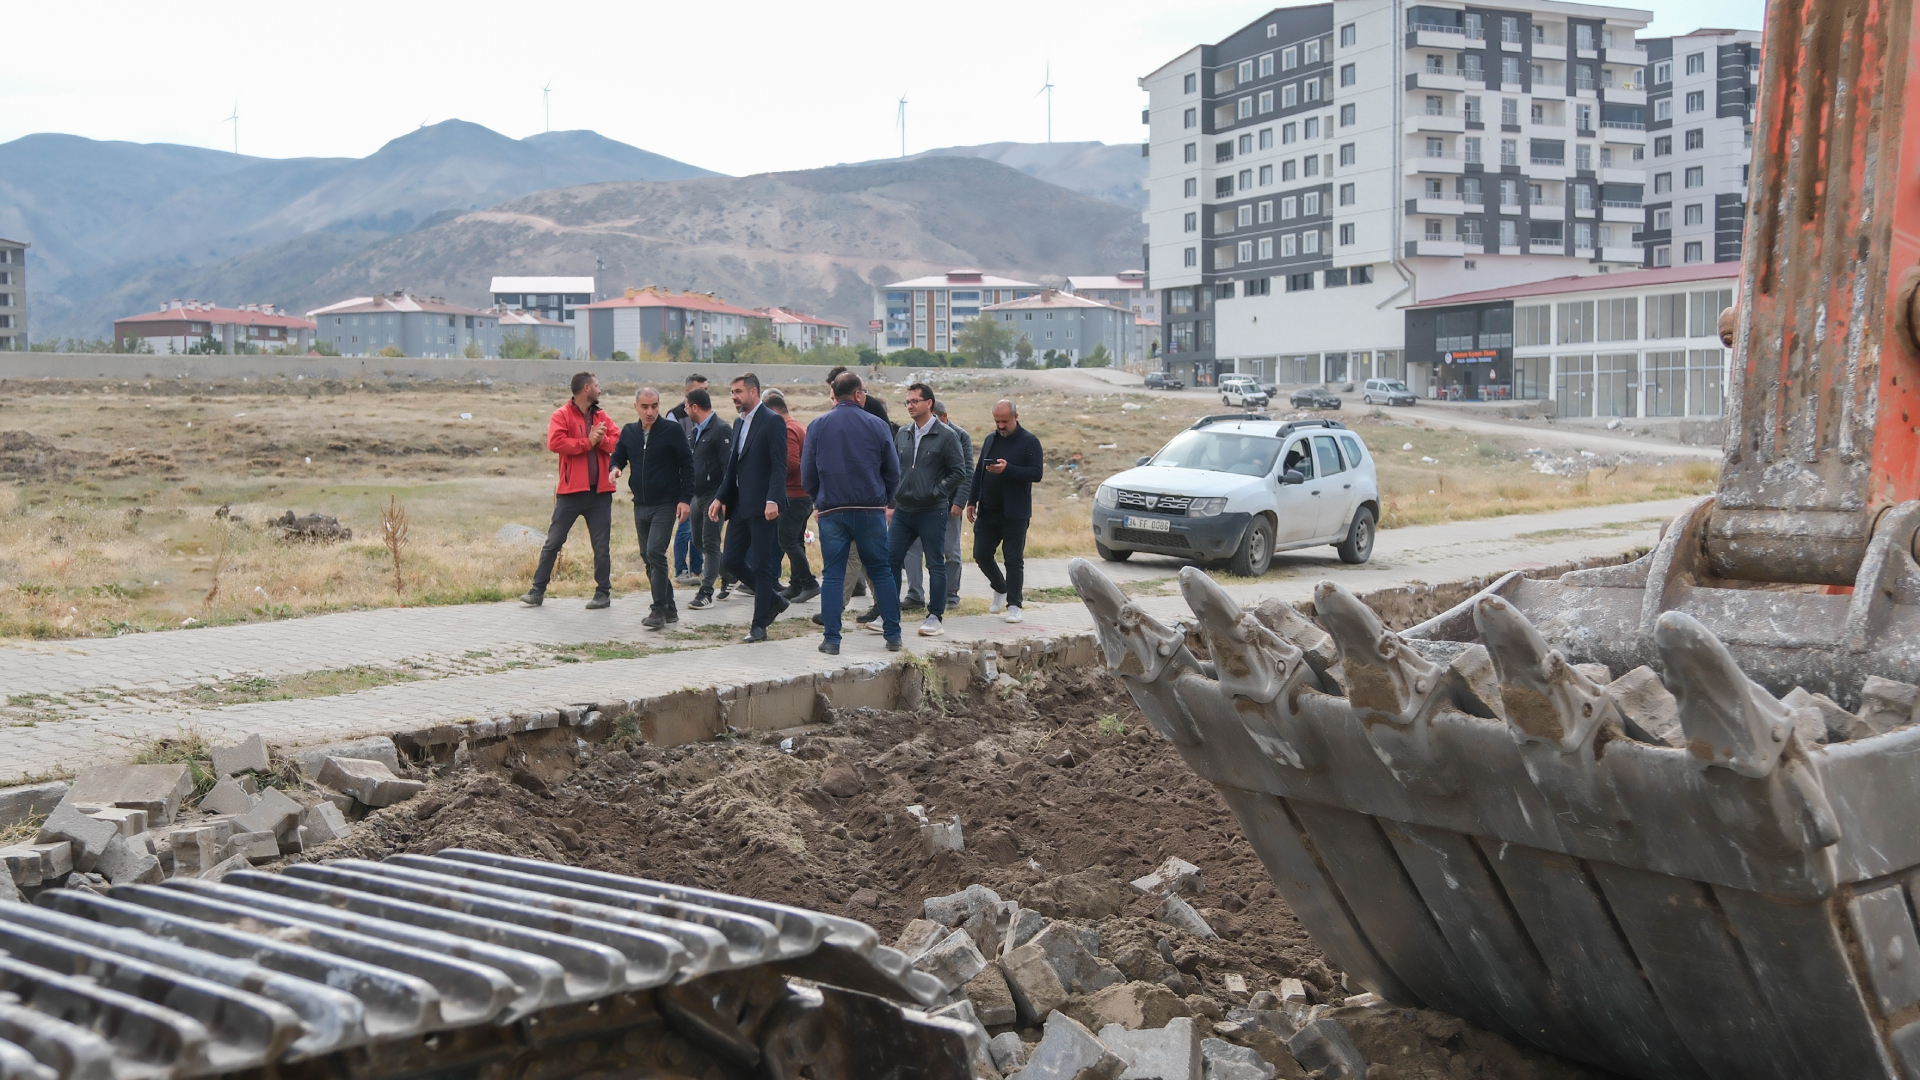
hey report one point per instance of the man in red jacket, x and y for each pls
(584, 437)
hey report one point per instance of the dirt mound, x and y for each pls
(26, 456)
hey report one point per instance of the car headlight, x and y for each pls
(1106, 496)
(1206, 507)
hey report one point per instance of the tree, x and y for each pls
(206, 346)
(1054, 359)
(473, 351)
(393, 352)
(323, 347)
(519, 345)
(1099, 357)
(1023, 353)
(620, 355)
(986, 341)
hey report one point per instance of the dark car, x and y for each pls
(1314, 397)
(1160, 380)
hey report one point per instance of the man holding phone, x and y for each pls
(1000, 505)
(584, 437)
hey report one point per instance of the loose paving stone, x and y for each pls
(194, 849)
(273, 813)
(919, 936)
(1171, 1052)
(1009, 1053)
(370, 782)
(952, 910)
(1025, 924)
(991, 998)
(128, 862)
(258, 847)
(1326, 1047)
(1225, 1061)
(982, 1058)
(227, 797)
(248, 756)
(9, 892)
(1133, 1005)
(225, 866)
(379, 748)
(1068, 1051)
(954, 961)
(323, 821)
(157, 789)
(1178, 913)
(17, 804)
(24, 866)
(1056, 964)
(1176, 875)
(56, 859)
(88, 835)
(129, 822)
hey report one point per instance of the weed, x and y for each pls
(22, 831)
(1111, 724)
(189, 748)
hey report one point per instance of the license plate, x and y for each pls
(1149, 524)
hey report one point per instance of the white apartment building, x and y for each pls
(1327, 164)
(553, 298)
(13, 295)
(1071, 324)
(1703, 90)
(929, 312)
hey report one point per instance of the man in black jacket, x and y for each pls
(1000, 504)
(662, 486)
(712, 442)
(932, 468)
(754, 495)
(686, 553)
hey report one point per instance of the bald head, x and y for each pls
(1006, 417)
(646, 404)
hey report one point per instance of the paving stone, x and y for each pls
(129, 822)
(9, 892)
(954, 961)
(1044, 972)
(1178, 913)
(157, 789)
(88, 835)
(56, 858)
(991, 998)
(1176, 875)
(379, 748)
(1225, 1061)
(919, 936)
(17, 804)
(1009, 1053)
(982, 1058)
(224, 867)
(1325, 1046)
(194, 849)
(323, 821)
(1025, 923)
(954, 909)
(1068, 1051)
(273, 813)
(1171, 1052)
(247, 756)
(128, 862)
(24, 866)
(256, 846)
(1131, 1005)
(370, 782)
(227, 797)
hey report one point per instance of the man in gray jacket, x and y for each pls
(916, 577)
(932, 468)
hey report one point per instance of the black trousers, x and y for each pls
(992, 530)
(793, 540)
(753, 554)
(597, 508)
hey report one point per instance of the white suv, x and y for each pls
(1235, 489)
(1243, 391)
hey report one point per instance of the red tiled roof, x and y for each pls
(1631, 279)
(660, 298)
(218, 316)
(524, 318)
(788, 315)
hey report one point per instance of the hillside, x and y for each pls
(817, 239)
(1117, 174)
(114, 223)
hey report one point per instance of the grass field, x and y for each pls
(142, 506)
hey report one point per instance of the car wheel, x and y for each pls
(1111, 555)
(1256, 550)
(1358, 546)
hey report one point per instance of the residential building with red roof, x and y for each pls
(654, 318)
(181, 325)
(929, 312)
(1127, 289)
(1069, 324)
(546, 333)
(424, 326)
(1632, 344)
(803, 331)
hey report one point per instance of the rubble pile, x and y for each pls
(140, 824)
(309, 528)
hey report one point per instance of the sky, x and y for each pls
(738, 87)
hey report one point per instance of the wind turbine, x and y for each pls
(235, 120)
(1047, 89)
(900, 120)
(546, 103)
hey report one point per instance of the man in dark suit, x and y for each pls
(754, 495)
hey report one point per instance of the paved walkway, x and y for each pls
(112, 691)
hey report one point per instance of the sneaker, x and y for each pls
(893, 644)
(673, 615)
(654, 620)
(913, 603)
(807, 593)
(533, 598)
(932, 627)
(686, 577)
(600, 601)
(998, 604)
(876, 626)
(726, 590)
(1014, 614)
(702, 599)
(831, 648)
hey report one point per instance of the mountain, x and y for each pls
(1117, 174)
(818, 239)
(105, 215)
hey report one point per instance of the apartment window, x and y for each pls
(1348, 114)
(1246, 71)
(1696, 138)
(1696, 101)
(1266, 211)
(1583, 118)
(1695, 213)
(1190, 83)
(1475, 27)
(1243, 216)
(1191, 256)
(1272, 30)
(1310, 128)
(1663, 256)
(1346, 235)
(1223, 187)
(1697, 63)
(1243, 251)
(1582, 196)
(1286, 171)
(1583, 38)
(1662, 145)
(1663, 71)
(1349, 74)
(1310, 90)
(1436, 65)
(1347, 153)
(1246, 179)
(1246, 144)
(1662, 109)
(1576, 322)
(1266, 101)
(1289, 208)
(1348, 35)
(1433, 229)
(1693, 251)
(1582, 236)
(1191, 152)
(1583, 157)
(1289, 246)
(1191, 223)
(1266, 65)
(1243, 109)
(1509, 233)
(1310, 242)
(1312, 51)
(1289, 95)
(1510, 69)
(1510, 112)
(1192, 188)
(1539, 34)
(1266, 175)
(1310, 203)
(1257, 287)
(1509, 151)
(1539, 75)
(1662, 220)
(1533, 325)
(1289, 133)
(1289, 58)
(1472, 109)
(1190, 118)
(1662, 183)
(1537, 113)
(1510, 29)
(1266, 138)
(1696, 176)
(1266, 247)
(1667, 316)
(1310, 165)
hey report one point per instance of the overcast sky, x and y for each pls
(738, 87)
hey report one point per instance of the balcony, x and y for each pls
(1450, 162)
(1546, 247)
(1632, 55)
(1549, 91)
(1546, 168)
(1547, 211)
(1623, 133)
(1436, 205)
(1627, 212)
(1623, 175)
(1445, 79)
(1447, 120)
(1436, 36)
(1619, 251)
(1627, 95)
(1437, 247)
(1549, 51)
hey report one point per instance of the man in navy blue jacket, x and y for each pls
(850, 467)
(754, 495)
(1000, 504)
(662, 486)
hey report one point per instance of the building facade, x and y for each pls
(1638, 343)
(546, 333)
(929, 312)
(13, 295)
(657, 319)
(424, 326)
(553, 298)
(799, 330)
(1128, 289)
(1703, 91)
(181, 325)
(1326, 164)
(1072, 325)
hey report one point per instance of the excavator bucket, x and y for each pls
(1657, 817)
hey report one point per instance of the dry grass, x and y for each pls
(112, 526)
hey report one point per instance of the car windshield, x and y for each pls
(1220, 451)
(1392, 384)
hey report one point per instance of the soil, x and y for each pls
(1062, 789)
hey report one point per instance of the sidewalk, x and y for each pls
(103, 682)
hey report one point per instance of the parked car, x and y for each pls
(1160, 380)
(1387, 391)
(1314, 397)
(1235, 489)
(1243, 391)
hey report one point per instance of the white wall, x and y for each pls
(1167, 170)
(1376, 96)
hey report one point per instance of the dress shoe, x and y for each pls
(654, 620)
(673, 615)
(598, 602)
(913, 603)
(806, 593)
(780, 604)
(893, 644)
(831, 648)
(758, 633)
(533, 598)
(819, 618)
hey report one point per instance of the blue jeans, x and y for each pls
(930, 528)
(686, 554)
(867, 531)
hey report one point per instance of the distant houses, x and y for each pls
(654, 319)
(799, 330)
(930, 313)
(409, 325)
(13, 295)
(1070, 326)
(554, 298)
(182, 326)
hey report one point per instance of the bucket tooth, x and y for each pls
(1257, 671)
(1135, 643)
(1394, 692)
